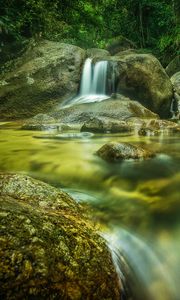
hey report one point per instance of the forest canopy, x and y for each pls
(153, 25)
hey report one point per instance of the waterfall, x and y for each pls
(93, 83)
(85, 87)
(99, 78)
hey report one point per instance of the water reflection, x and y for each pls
(137, 203)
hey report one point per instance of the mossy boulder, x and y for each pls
(115, 152)
(48, 248)
(142, 77)
(46, 74)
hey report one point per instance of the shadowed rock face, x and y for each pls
(45, 75)
(175, 79)
(141, 77)
(114, 152)
(48, 249)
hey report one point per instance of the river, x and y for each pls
(136, 203)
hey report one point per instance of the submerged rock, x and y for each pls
(48, 249)
(46, 74)
(40, 122)
(162, 195)
(114, 152)
(142, 77)
(67, 136)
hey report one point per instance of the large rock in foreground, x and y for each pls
(45, 75)
(48, 250)
(141, 77)
(114, 152)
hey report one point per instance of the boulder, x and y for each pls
(174, 66)
(48, 248)
(141, 77)
(115, 152)
(46, 74)
(120, 109)
(175, 79)
(118, 44)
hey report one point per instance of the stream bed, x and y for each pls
(137, 203)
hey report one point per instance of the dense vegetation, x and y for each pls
(151, 24)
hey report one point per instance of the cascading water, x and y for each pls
(93, 83)
(85, 87)
(99, 78)
(141, 272)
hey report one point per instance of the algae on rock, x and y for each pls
(48, 248)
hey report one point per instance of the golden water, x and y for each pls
(141, 198)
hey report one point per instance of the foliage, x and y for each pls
(151, 24)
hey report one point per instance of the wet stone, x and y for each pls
(51, 251)
(114, 152)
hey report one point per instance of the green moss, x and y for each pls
(50, 250)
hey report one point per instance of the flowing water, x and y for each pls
(137, 203)
(93, 83)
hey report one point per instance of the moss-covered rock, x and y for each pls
(48, 249)
(46, 74)
(114, 152)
